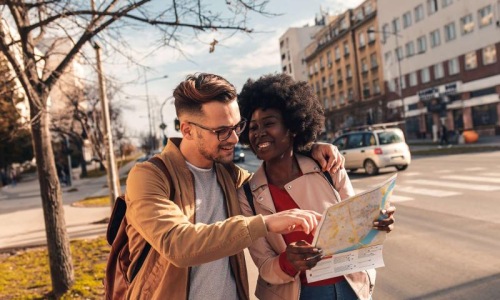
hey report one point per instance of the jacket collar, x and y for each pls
(306, 164)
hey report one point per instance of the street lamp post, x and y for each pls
(400, 92)
(151, 141)
(163, 126)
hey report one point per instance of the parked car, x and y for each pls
(239, 154)
(373, 149)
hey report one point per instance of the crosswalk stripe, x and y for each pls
(426, 191)
(490, 174)
(472, 178)
(397, 199)
(444, 171)
(474, 169)
(411, 173)
(457, 185)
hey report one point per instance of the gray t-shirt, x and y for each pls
(213, 280)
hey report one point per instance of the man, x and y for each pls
(198, 237)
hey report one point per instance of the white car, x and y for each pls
(374, 149)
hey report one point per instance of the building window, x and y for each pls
(371, 34)
(424, 75)
(467, 24)
(446, 3)
(373, 60)
(435, 38)
(432, 6)
(422, 44)
(484, 115)
(346, 49)
(402, 82)
(410, 49)
(396, 26)
(350, 94)
(323, 82)
(385, 32)
(438, 71)
(407, 19)
(399, 53)
(388, 58)
(317, 87)
(321, 62)
(339, 75)
(453, 66)
(337, 53)
(329, 58)
(348, 72)
(325, 103)
(419, 13)
(376, 87)
(470, 60)
(366, 90)
(364, 65)
(449, 32)
(368, 8)
(413, 78)
(341, 98)
(330, 80)
(485, 16)
(362, 42)
(489, 55)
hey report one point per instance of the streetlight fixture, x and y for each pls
(149, 106)
(400, 93)
(163, 126)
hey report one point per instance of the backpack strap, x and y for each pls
(248, 193)
(158, 162)
(329, 178)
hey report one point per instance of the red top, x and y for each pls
(283, 201)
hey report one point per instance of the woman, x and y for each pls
(285, 117)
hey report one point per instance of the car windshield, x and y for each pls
(389, 137)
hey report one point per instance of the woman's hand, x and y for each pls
(387, 223)
(328, 157)
(302, 255)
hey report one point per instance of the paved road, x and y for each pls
(446, 242)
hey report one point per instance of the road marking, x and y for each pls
(444, 171)
(394, 198)
(490, 174)
(473, 178)
(474, 169)
(426, 191)
(397, 199)
(452, 184)
(412, 174)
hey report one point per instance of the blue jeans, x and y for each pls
(338, 291)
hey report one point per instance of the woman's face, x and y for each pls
(269, 138)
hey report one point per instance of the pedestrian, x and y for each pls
(284, 117)
(198, 237)
(13, 177)
(444, 135)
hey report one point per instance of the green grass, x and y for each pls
(26, 275)
(99, 201)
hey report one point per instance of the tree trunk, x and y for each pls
(83, 163)
(61, 265)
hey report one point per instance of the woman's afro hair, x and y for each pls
(302, 113)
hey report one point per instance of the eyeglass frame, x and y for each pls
(243, 123)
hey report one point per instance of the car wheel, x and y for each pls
(352, 170)
(402, 168)
(370, 167)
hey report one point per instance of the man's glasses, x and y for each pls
(223, 133)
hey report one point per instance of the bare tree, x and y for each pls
(26, 24)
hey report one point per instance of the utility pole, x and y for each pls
(113, 178)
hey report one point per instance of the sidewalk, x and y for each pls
(417, 145)
(21, 211)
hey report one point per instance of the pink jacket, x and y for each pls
(311, 191)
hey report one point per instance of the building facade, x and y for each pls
(292, 46)
(445, 54)
(344, 69)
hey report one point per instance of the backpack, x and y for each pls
(116, 282)
(248, 191)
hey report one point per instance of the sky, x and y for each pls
(237, 58)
